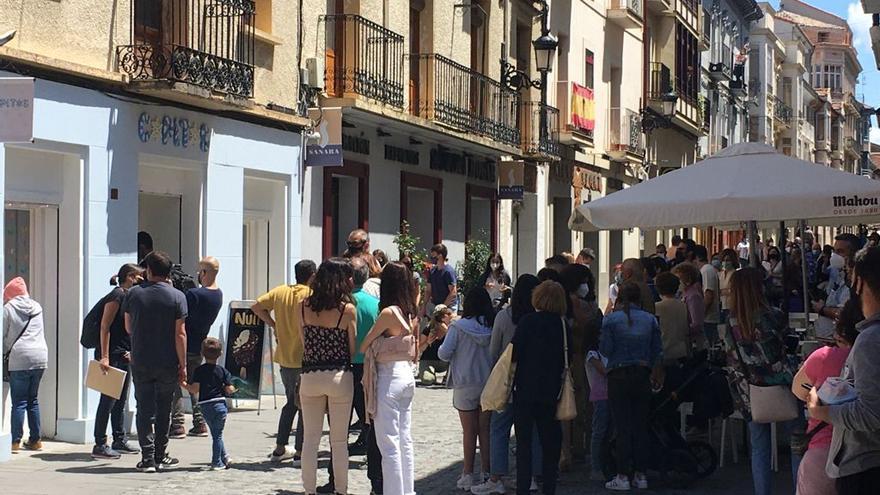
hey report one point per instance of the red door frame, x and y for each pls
(435, 184)
(361, 172)
(474, 191)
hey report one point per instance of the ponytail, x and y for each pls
(114, 280)
(124, 272)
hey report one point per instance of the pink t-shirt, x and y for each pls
(823, 363)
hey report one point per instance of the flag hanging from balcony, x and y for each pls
(327, 151)
(583, 109)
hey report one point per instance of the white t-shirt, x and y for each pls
(743, 249)
(710, 282)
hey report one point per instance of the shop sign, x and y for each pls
(327, 152)
(401, 155)
(355, 144)
(585, 179)
(510, 180)
(16, 109)
(583, 108)
(179, 132)
(245, 338)
(474, 168)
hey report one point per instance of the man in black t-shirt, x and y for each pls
(203, 304)
(154, 317)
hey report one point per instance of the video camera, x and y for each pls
(181, 280)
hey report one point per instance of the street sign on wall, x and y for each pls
(510, 180)
(16, 109)
(327, 151)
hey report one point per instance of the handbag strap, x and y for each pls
(564, 342)
(9, 352)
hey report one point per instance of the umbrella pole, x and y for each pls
(753, 245)
(781, 242)
(804, 280)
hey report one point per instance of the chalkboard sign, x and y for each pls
(245, 338)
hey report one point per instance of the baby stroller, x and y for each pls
(678, 462)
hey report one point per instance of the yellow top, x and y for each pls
(284, 301)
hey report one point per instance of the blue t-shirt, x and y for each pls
(440, 280)
(212, 379)
(203, 305)
(154, 308)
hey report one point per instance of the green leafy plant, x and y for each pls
(408, 244)
(476, 253)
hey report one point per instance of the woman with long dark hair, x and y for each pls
(632, 344)
(466, 348)
(496, 281)
(757, 353)
(115, 350)
(329, 327)
(502, 334)
(390, 348)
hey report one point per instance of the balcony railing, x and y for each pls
(539, 124)
(661, 81)
(782, 111)
(209, 43)
(624, 133)
(363, 58)
(458, 97)
(626, 13)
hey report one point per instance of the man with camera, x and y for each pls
(203, 304)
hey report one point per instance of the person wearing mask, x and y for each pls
(496, 281)
(155, 315)
(27, 357)
(838, 292)
(633, 271)
(499, 436)
(115, 350)
(466, 349)
(442, 285)
(743, 250)
(203, 304)
(824, 363)
(854, 456)
(775, 273)
(711, 291)
(585, 321)
(539, 355)
(692, 296)
(586, 257)
(756, 350)
(279, 309)
(380, 257)
(616, 281)
(632, 343)
(329, 329)
(729, 264)
(391, 348)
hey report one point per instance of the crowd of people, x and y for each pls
(356, 332)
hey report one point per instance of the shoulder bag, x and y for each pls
(496, 392)
(768, 404)
(9, 352)
(566, 409)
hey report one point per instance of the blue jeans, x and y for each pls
(23, 388)
(215, 416)
(762, 470)
(601, 421)
(499, 444)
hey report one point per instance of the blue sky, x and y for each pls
(869, 81)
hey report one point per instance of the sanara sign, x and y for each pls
(16, 109)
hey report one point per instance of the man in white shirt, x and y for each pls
(742, 250)
(711, 293)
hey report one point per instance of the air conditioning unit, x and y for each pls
(315, 68)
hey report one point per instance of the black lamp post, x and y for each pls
(545, 51)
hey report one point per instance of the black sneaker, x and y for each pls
(328, 488)
(167, 461)
(357, 448)
(123, 447)
(147, 466)
(104, 452)
(198, 431)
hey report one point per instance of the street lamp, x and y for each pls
(652, 119)
(545, 51)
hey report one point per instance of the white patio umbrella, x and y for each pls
(742, 183)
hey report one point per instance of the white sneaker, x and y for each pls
(465, 482)
(618, 483)
(287, 454)
(489, 487)
(534, 486)
(640, 481)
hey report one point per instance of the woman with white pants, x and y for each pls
(389, 385)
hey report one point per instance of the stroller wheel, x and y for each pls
(707, 459)
(679, 468)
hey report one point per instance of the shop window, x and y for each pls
(421, 204)
(481, 214)
(148, 21)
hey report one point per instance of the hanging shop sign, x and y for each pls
(327, 151)
(510, 180)
(16, 109)
(168, 130)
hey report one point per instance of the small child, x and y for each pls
(212, 384)
(601, 415)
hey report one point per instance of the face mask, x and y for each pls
(583, 291)
(716, 264)
(837, 261)
(494, 266)
(618, 278)
(774, 256)
(728, 265)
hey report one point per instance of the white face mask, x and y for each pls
(837, 261)
(583, 291)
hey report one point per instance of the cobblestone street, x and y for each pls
(68, 469)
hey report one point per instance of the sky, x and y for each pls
(869, 81)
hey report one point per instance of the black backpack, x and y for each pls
(91, 328)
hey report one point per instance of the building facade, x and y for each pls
(141, 122)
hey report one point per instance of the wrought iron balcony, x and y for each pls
(719, 71)
(626, 13)
(782, 111)
(363, 58)
(539, 124)
(455, 96)
(625, 134)
(209, 43)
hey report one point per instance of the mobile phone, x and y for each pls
(807, 386)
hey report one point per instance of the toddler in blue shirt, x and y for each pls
(212, 383)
